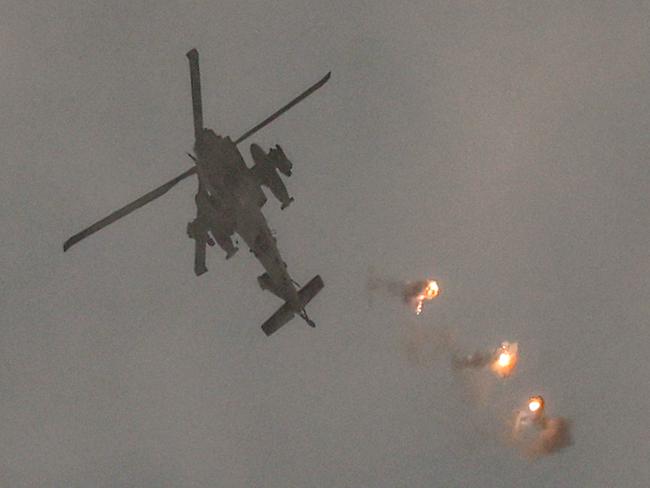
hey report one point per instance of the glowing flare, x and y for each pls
(536, 404)
(432, 290)
(429, 293)
(505, 359)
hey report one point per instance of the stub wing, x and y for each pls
(285, 313)
(199, 233)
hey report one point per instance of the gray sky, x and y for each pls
(500, 146)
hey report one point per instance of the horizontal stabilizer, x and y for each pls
(310, 290)
(285, 313)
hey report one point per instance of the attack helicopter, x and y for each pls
(229, 201)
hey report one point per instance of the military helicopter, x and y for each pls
(229, 200)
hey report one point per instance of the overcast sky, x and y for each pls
(501, 147)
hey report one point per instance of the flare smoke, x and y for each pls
(555, 435)
(414, 293)
(538, 435)
(502, 360)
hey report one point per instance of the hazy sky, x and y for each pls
(499, 146)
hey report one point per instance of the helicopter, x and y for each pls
(229, 201)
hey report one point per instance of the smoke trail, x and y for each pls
(478, 360)
(413, 293)
(537, 435)
(392, 287)
(555, 435)
(502, 360)
(425, 345)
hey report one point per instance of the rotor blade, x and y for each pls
(274, 116)
(195, 80)
(127, 209)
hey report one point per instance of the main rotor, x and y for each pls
(197, 111)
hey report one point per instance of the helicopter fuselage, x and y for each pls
(235, 200)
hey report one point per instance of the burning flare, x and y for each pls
(538, 435)
(533, 414)
(536, 404)
(505, 359)
(502, 360)
(429, 292)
